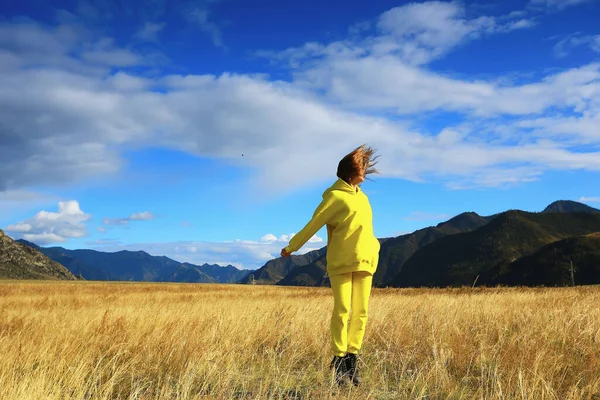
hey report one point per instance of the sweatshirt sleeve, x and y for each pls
(323, 214)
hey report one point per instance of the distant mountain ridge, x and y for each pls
(513, 247)
(18, 261)
(414, 248)
(128, 265)
(215, 272)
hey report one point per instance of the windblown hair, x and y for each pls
(360, 161)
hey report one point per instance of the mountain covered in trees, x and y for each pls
(506, 248)
(571, 261)
(486, 255)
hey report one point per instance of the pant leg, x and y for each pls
(361, 291)
(342, 300)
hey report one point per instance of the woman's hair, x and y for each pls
(360, 161)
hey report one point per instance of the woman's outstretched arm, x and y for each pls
(322, 215)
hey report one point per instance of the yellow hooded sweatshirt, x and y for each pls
(351, 243)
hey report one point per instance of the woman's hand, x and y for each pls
(284, 253)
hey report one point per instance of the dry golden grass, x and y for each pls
(85, 340)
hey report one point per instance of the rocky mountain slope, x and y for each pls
(18, 261)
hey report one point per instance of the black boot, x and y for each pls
(338, 365)
(352, 368)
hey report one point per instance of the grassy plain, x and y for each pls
(90, 340)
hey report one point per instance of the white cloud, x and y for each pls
(421, 32)
(150, 31)
(50, 227)
(101, 229)
(121, 81)
(31, 38)
(519, 24)
(269, 237)
(70, 120)
(564, 46)
(105, 52)
(315, 239)
(595, 44)
(20, 227)
(388, 83)
(428, 30)
(201, 17)
(415, 34)
(139, 216)
(557, 4)
(359, 28)
(112, 58)
(496, 177)
(115, 221)
(142, 216)
(584, 199)
(44, 238)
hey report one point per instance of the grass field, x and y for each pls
(86, 340)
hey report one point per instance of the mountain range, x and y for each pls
(558, 246)
(488, 254)
(471, 249)
(136, 266)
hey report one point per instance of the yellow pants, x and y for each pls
(351, 291)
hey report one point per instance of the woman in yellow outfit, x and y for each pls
(352, 256)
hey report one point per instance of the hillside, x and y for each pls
(226, 274)
(206, 273)
(18, 261)
(312, 274)
(395, 252)
(485, 254)
(277, 269)
(571, 261)
(187, 273)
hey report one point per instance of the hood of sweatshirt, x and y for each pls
(343, 186)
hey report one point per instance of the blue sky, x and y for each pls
(207, 130)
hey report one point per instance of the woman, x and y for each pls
(352, 256)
